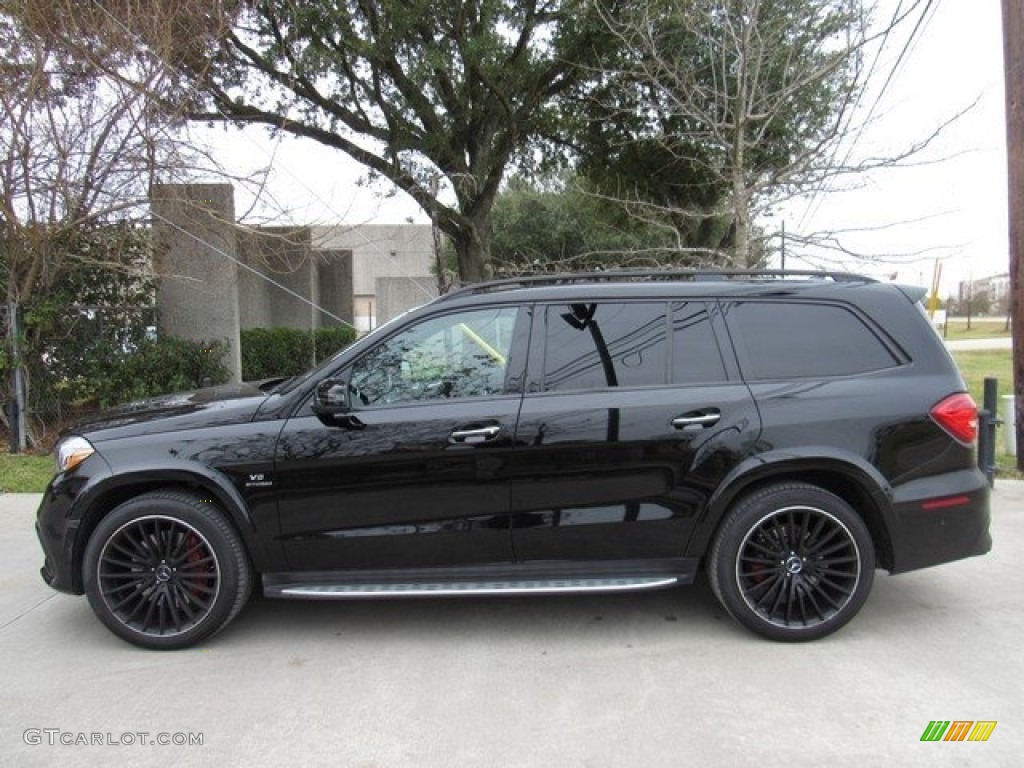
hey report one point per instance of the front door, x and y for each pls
(416, 475)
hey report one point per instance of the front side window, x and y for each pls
(458, 355)
(598, 345)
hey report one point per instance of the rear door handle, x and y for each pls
(474, 436)
(705, 418)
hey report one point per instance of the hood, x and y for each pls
(207, 407)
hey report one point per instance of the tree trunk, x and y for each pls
(472, 243)
(741, 221)
(740, 210)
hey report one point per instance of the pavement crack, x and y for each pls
(26, 612)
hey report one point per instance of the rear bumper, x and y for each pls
(940, 519)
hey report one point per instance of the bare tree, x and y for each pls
(763, 99)
(79, 149)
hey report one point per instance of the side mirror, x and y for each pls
(331, 403)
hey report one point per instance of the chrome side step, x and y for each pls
(342, 591)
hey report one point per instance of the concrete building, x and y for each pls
(194, 258)
(391, 267)
(216, 277)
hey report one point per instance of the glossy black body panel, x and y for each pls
(395, 491)
(607, 475)
(577, 482)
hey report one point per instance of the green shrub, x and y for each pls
(158, 367)
(268, 352)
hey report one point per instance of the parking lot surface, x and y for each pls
(654, 679)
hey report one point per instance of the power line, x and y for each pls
(248, 268)
(897, 17)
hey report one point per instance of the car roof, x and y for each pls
(661, 285)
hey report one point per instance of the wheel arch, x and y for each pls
(120, 488)
(854, 481)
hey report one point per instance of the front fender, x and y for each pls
(107, 492)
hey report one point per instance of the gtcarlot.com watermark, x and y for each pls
(56, 737)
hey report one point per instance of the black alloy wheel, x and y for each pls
(166, 570)
(792, 562)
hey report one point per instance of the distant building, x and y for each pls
(991, 293)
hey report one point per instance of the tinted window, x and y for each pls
(696, 358)
(778, 341)
(459, 355)
(593, 346)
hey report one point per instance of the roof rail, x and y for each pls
(651, 275)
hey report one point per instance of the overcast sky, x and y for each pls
(953, 208)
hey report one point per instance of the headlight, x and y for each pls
(72, 451)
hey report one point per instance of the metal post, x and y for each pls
(783, 245)
(19, 437)
(987, 421)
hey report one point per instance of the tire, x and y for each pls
(166, 570)
(792, 562)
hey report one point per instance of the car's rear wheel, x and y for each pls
(166, 570)
(792, 562)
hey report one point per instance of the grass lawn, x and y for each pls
(989, 328)
(978, 364)
(975, 367)
(25, 472)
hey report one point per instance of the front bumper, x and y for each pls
(59, 520)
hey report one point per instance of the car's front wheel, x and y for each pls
(165, 570)
(792, 562)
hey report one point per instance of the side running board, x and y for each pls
(346, 591)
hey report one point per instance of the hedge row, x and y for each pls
(268, 352)
(106, 373)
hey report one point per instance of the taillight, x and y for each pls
(958, 415)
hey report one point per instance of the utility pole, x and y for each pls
(783, 245)
(1013, 62)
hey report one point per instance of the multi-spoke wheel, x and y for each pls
(165, 570)
(792, 562)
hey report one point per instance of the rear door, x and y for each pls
(631, 418)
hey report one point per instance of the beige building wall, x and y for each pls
(381, 251)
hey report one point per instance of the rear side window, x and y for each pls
(696, 358)
(599, 345)
(787, 340)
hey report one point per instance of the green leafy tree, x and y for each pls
(416, 91)
(721, 107)
(563, 226)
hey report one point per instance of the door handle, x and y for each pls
(474, 436)
(702, 419)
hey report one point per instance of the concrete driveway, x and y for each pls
(970, 345)
(657, 679)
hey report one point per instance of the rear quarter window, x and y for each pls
(776, 340)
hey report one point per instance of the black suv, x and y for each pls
(603, 432)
